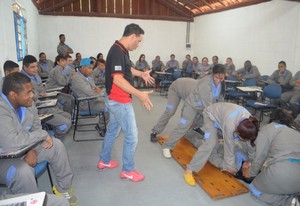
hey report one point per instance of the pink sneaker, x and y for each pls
(134, 176)
(112, 164)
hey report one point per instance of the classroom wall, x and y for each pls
(265, 33)
(91, 35)
(7, 36)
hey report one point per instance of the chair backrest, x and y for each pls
(273, 91)
(250, 82)
(265, 77)
(170, 70)
(176, 74)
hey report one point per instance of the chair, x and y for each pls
(240, 96)
(77, 115)
(271, 92)
(187, 73)
(40, 168)
(165, 84)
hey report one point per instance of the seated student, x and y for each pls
(141, 65)
(84, 86)
(196, 67)
(69, 65)
(281, 76)
(20, 126)
(209, 90)
(236, 123)
(99, 56)
(59, 77)
(204, 67)
(229, 66)
(157, 66)
(249, 71)
(172, 63)
(99, 73)
(8, 67)
(77, 60)
(178, 90)
(45, 65)
(187, 63)
(292, 97)
(61, 121)
(215, 61)
(276, 162)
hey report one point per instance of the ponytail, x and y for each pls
(248, 129)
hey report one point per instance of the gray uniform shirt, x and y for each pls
(294, 79)
(84, 87)
(252, 73)
(45, 68)
(275, 142)
(57, 78)
(16, 132)
(202, 94)
(278, 78)
(61, 48)
(227, 117)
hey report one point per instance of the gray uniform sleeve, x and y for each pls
(13, 136)
(295, 78)
(61, 79)
(271, 79)
(82, 88)
(262, 150)
(255, 73)
(229, 152)
(284, 80)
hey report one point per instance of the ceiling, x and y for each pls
(174, 10)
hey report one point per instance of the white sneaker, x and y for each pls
(167, 153)
(295, 202)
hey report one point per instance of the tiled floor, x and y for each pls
(164, 184)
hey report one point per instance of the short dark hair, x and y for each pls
(61, 35)
(58, 58)
(68, 56)
(282, 62)
(220, 69)
(14, 82)
(9, 65)
(29, 59)
(282, 116)
(133, 29)
(42, 53)
(248, 129)
(98, 55)
(101, 61)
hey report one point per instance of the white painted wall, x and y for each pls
(265, 34)
(7, 34)
(91, 35)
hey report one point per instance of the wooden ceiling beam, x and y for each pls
(207, 4)
(128, 16)
(57, 6)
(233, 6)
(177, 10)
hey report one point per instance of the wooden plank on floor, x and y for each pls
(217, 184)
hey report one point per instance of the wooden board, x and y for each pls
(216, 183)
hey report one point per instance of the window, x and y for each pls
(20, 31)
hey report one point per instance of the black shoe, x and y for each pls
(239, 175)
(199, 130)
(153, 137)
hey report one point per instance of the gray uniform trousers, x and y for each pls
(61, 121)
(66, 101)
(193, 107)
(178, 90)
(226, 116)
(279, 183)
(50, 199)
(19, 176)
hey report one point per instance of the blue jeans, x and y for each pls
(121, 117)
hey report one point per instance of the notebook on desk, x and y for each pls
(35, 199)
(54, 89)
(46, 103)
(50, 94)
(18, 153)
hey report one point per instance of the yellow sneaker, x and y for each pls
(189, 179)
(68, 195)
